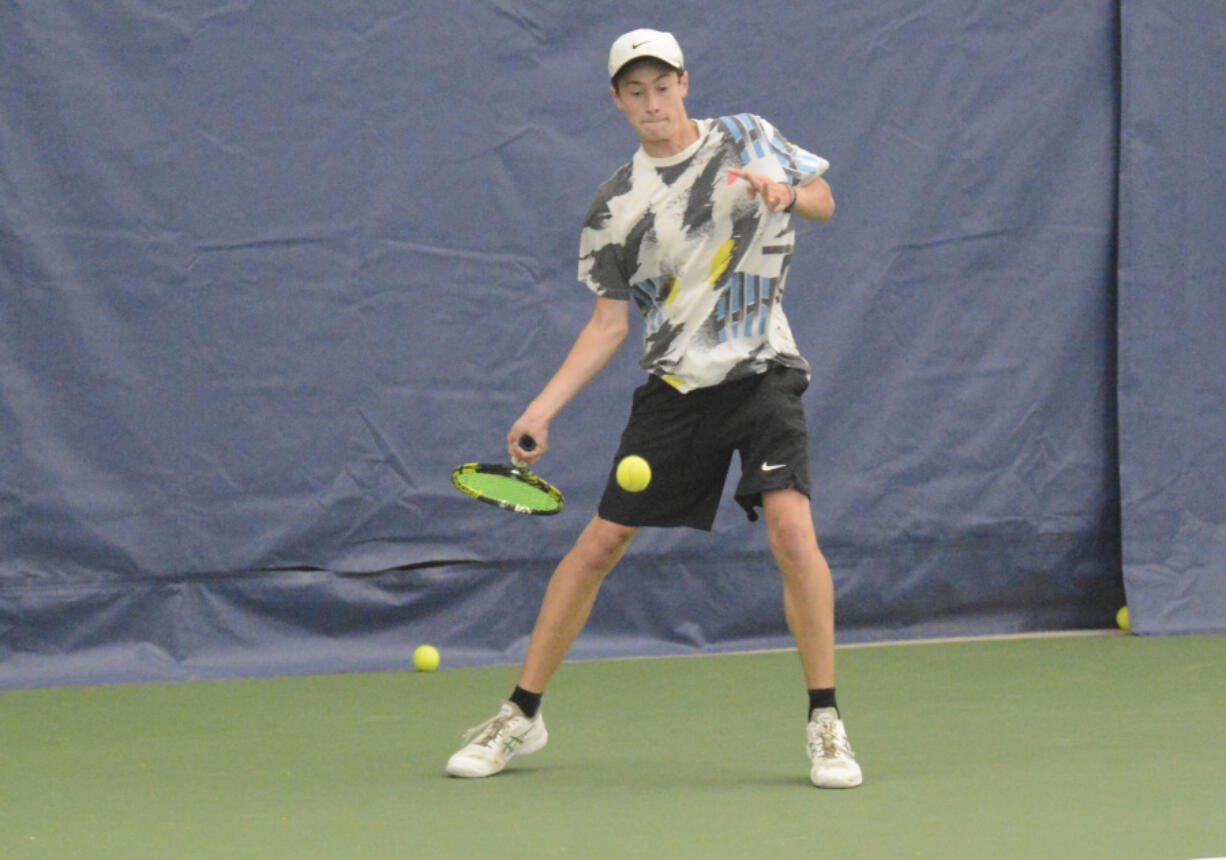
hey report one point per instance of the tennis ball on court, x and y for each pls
(1121, 618)
(425, 658)
(633, 474)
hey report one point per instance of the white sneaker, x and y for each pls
(489, 746)
(834, 764)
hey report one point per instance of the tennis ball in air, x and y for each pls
(425, 658)
(633, 474)
(1121, 618)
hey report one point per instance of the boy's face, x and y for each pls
(652, 98)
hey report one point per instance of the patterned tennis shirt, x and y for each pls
(704, 263)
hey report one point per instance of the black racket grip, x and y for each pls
(526, 442)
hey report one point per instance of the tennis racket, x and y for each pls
(512, 488)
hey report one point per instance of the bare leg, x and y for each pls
(569, 598)
(808, 590)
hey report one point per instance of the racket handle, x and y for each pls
(527, 443)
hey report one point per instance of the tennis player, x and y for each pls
(696, 232)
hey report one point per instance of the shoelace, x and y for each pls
(832, 742)
(493, 728)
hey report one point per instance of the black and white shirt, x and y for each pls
(704, 263)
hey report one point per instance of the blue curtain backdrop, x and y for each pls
(1172, 285)
(271, 270)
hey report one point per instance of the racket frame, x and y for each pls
(516, 473)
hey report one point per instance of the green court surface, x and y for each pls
(1068, 747)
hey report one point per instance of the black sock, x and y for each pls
(527, 702)
(822, 699)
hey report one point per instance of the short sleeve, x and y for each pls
(799, 165)
(601, 243)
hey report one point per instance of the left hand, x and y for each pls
(775, 195)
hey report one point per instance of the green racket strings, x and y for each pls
(501, 488)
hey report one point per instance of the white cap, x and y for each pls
(645, 43)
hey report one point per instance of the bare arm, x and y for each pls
(596, 344)
(814, 199)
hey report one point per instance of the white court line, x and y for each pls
(995, 637)
(948, 640)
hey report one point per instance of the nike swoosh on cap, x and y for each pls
(766, 467)
(638, 45)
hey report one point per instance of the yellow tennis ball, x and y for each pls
(1121, 618)
(425, 658)
(633, 474)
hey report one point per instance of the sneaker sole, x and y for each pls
(469, 769)
(857, 780)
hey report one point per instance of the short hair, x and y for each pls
(654, 62)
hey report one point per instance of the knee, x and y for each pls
(789, 521)
(602, 545)
(793, 543)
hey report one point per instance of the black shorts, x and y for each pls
(688, 440)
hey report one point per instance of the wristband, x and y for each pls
(791, 205)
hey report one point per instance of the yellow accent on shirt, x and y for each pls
(720, 261)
